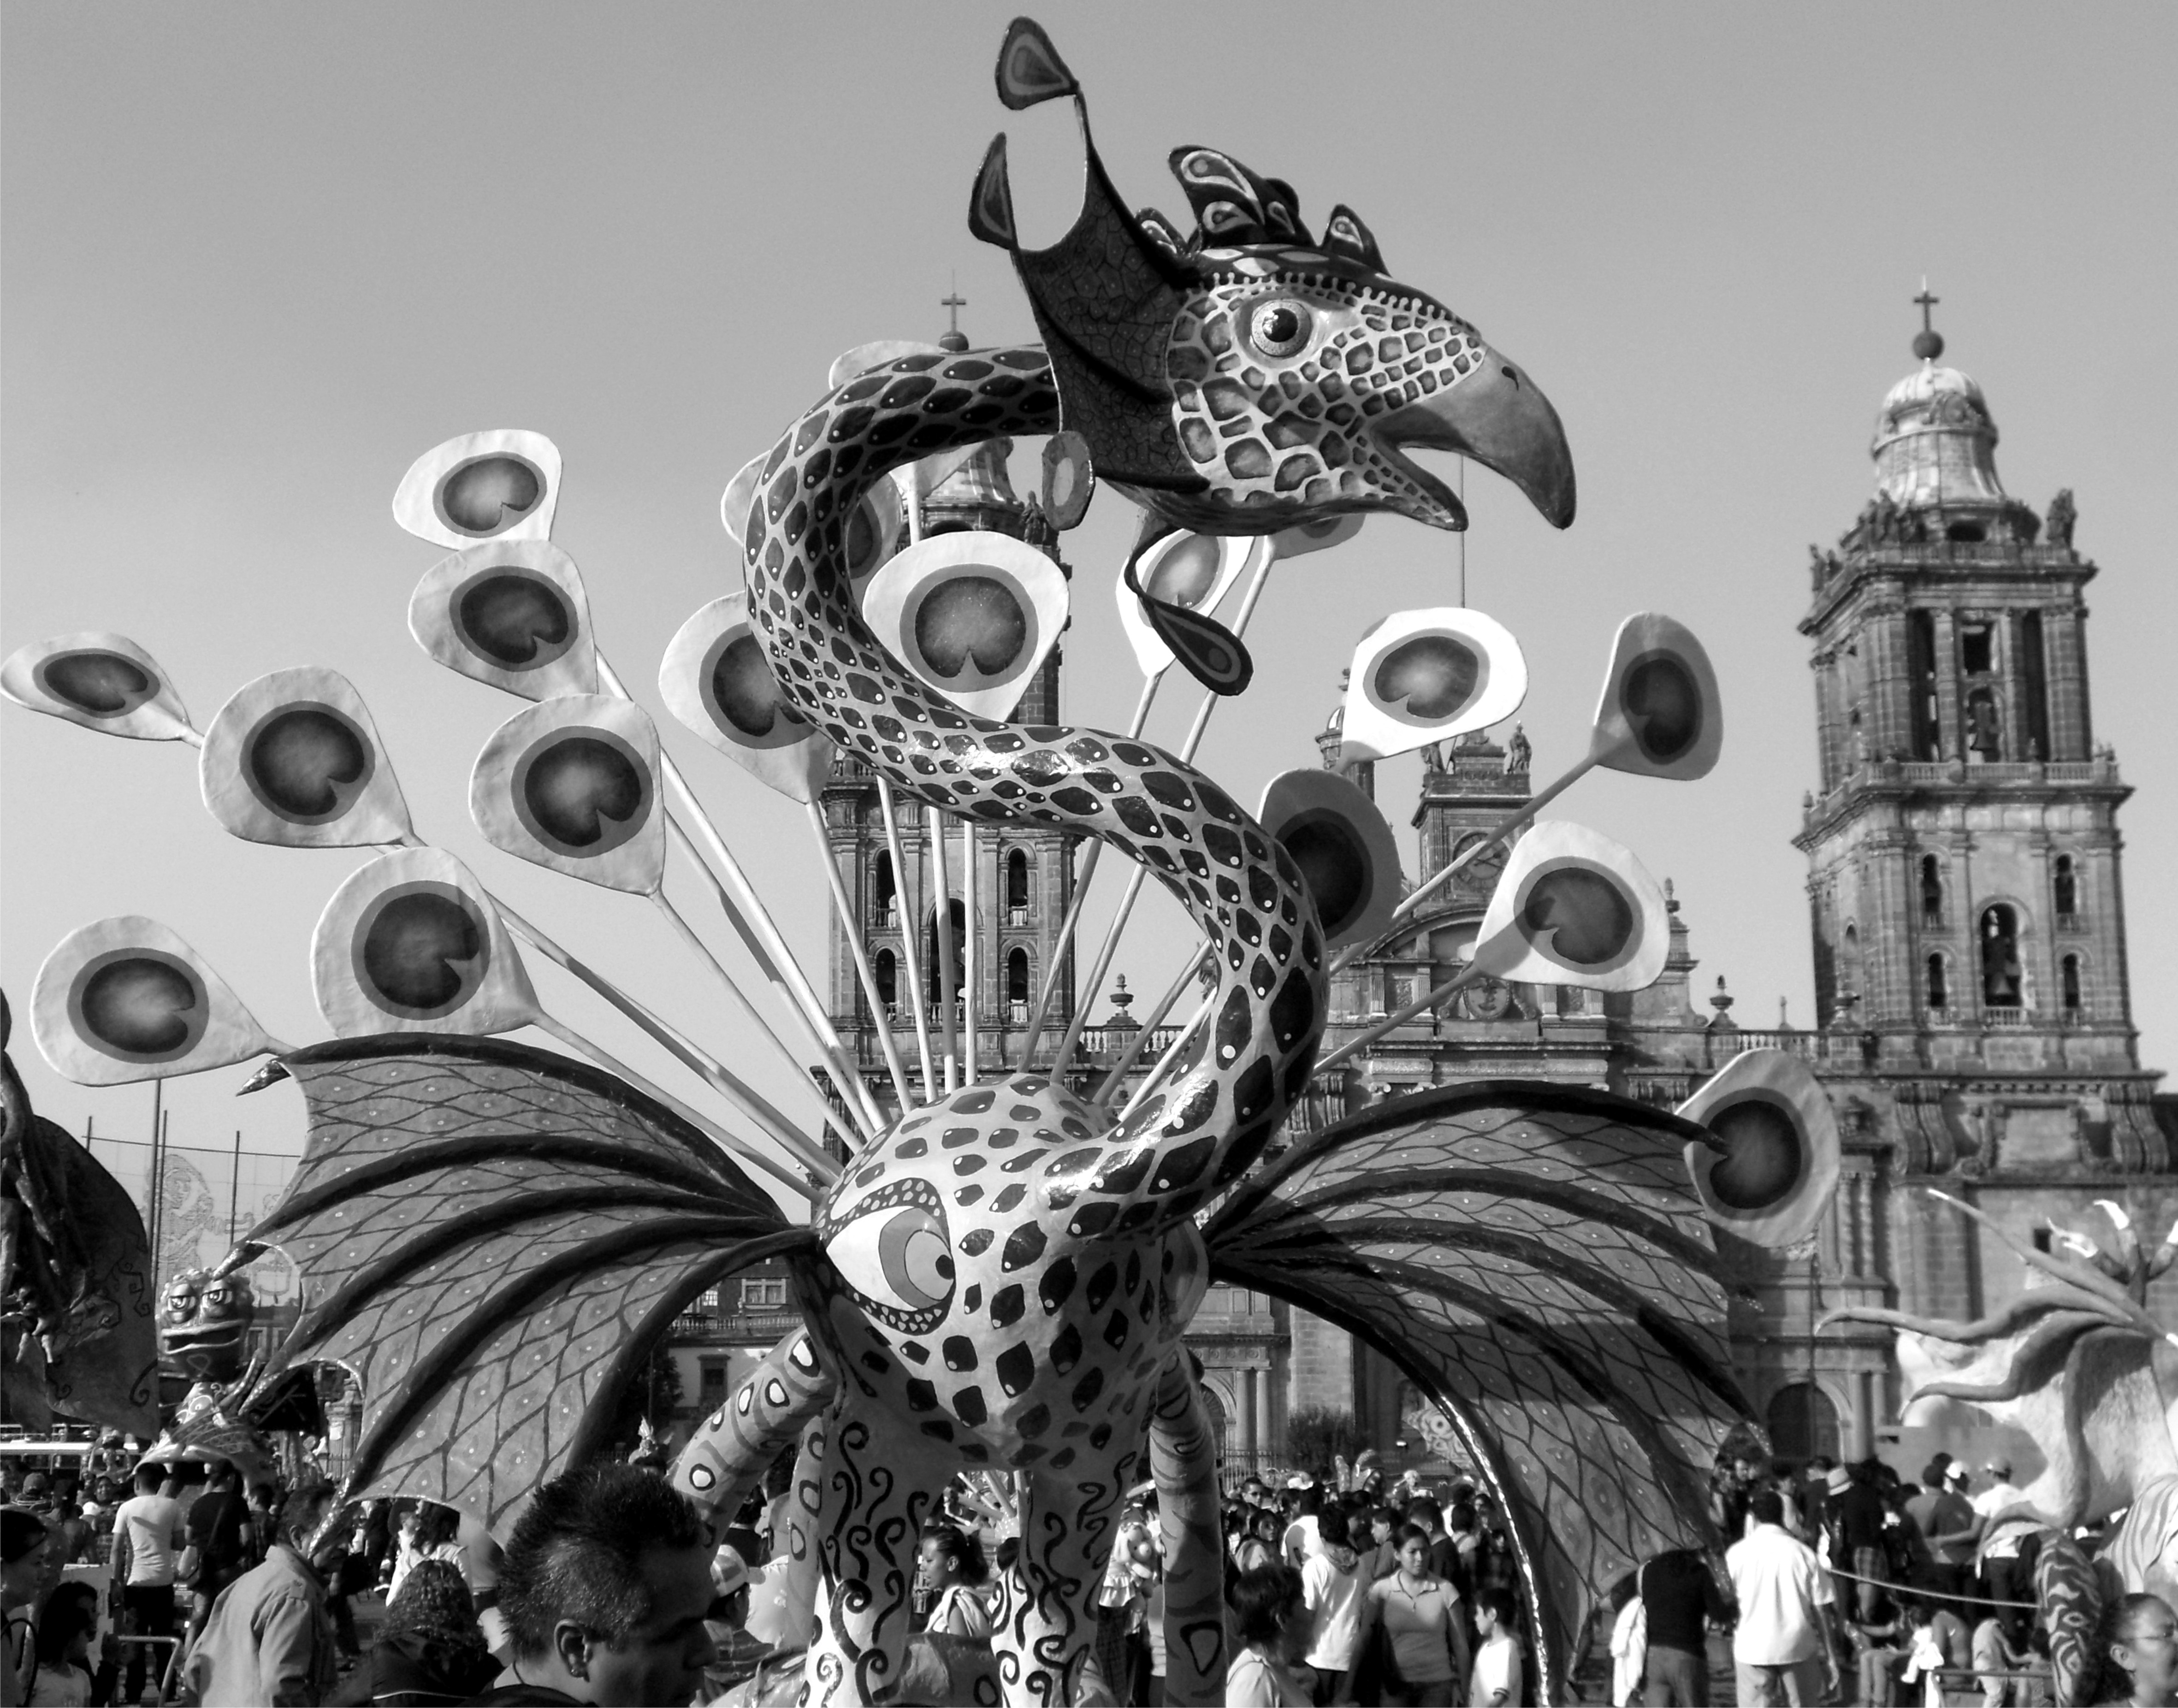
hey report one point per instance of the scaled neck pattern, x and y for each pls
(1242, 888)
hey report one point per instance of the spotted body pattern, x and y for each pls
(1008, 1270)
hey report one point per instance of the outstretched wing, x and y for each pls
(493, 1239)
(1534, 1257)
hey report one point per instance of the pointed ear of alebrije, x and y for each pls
(1162, 231)
(1030, 69)
(1209, 652)
(991, 208)
(1232, 205)
(1345, 234)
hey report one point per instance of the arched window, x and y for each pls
(884, 892)
(1017, 886)
(1017, 995)
(2068, 975)
(2065, 884)
(2000, 970)
(1803, 1422)
(1939, 991)
(958, 915)
(888, 976)
(1932, 888)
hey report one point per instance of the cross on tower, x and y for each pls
(1928, 343)
(953, 305)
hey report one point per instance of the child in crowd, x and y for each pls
(1497, 1681)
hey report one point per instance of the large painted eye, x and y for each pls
(1279, 326)
(899, 1261)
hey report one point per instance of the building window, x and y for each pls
(1017, 887)
(2068, 976)
(958, 914)
(713, 1392)
(1921, 669)
(2001, 970)
(2065, 885)
(1938, 992)
(887, 978)
(1976, 649)
(764, 1293)
(2034, 685)
(885, 891)
(1932, 889)
(1017, 984)
(1803, 1422)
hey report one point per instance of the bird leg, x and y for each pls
(1183, 1462)
(731, 1449)
(874, 1492)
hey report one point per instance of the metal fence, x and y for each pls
(197, 1200)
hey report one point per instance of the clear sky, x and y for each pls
(257, 259)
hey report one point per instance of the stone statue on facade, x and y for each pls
(1519, 756)
(2062, 516)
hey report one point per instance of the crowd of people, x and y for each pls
(1839, 1585)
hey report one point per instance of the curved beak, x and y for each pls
(1499, 417)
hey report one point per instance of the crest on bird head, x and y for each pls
(1249, 376)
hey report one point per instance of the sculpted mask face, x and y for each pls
(203, 1324)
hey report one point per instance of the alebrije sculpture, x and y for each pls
(493, 1238)
(2077, 1361)
(75, 1275)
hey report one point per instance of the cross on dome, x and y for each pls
(954, 338)
(1928, 343)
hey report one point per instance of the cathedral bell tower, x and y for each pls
(1024, 874)
(1968, 914)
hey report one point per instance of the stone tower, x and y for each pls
(1964, 886)
(1024, 874)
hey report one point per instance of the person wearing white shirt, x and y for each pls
(147, 1546)
(1333, 1587)
(1782, 1648)
(1999, 1544)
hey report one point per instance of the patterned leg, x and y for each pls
(2071, 1598)
(1045, 1629)
(1185, 1463)
(798, 1593)
(876, 1491)
(733, 1448)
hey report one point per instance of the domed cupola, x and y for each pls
(1935, 454)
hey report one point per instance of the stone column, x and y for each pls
(1949, 742)
(1244, 1387)
(2012, 672)
(2066, 683)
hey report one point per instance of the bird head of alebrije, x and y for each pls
(1248, 375)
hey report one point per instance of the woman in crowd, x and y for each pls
(1424, 1651)
(953, 1561)
(26, 1547)
(1259, 1546)
(1381, 1557)
(63, 1677)
(430, 1536)
(429, 1650)
(2137, 1645)
(1270, 1616)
